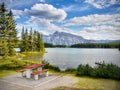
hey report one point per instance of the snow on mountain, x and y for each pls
(62, 38)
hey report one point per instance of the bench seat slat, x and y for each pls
(21, 71)
(38, 72)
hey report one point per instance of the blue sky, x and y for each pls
(91, 19)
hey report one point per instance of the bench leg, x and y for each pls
(36, 77)
(28, 73)
(47, 74)
(21, 74)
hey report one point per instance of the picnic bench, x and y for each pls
(35, 70)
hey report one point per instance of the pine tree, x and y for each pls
(40, 43)
(3, 29)
(7, 31)
(26, 44)
(35, 40)
(42, 48)
(22, 40)
(31, 42)
(12, 36)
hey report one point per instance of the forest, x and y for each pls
(87, 45)
(97, 45)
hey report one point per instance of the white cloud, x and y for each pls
(48, 26)
(75, 8)
(94, 20)
(100, 33)
(44, 23)
(102, 3)
(17, 12)
(46, 11)
(97, 26)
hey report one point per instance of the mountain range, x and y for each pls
(62, 38)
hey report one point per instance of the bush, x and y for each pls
(107, 71)
(49, 66)
(70, 70)
(13, 64)
(84, 70)
(101, 71)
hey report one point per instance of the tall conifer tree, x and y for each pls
(7, 31)
(12, 34)
(3, 29)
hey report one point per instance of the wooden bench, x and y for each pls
(21, 72)
(37, 73)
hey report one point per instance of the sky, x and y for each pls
(91, 19)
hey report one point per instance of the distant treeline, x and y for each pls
(88, 45)
(51, 45)
(97, 45)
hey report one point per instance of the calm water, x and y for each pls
(72, 57)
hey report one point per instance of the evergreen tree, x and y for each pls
(35, 41)
(7, 31)
(12, 34)
(42, 48)
(3, 29)
(22, 47)
(31, 42)
(26, 44)
(40, 43)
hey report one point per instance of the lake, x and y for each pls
(72, 57)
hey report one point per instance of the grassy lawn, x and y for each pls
(98, 84)
(6, 73)
(66, 88)
(87, 83)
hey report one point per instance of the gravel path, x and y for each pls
(14, 82)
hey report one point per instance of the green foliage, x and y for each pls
(8, 32)
(48, 45)
(13, 64)
(31, 42)
(84, 70)
(96, 45)
(51, 45)
(49, 66)
(70, 70)
(107, 71)
(101, 71)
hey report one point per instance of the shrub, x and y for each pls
(84, 70)
(14, 64)
(70, 70)
(101, 71)
(107, 71)
(49, 66)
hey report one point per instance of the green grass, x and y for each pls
(4, 73)
(87, 83)
(66, 88)
(98, 84)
